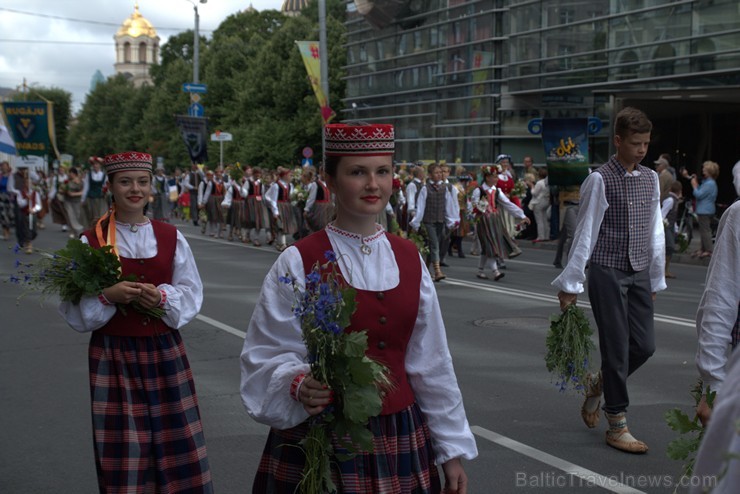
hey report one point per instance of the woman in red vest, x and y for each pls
(147, 431)
(422, 423)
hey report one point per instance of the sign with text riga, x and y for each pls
(32, 125)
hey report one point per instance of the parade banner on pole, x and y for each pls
(194, 131)
(566, 147)
(31, 124)
(311, 59)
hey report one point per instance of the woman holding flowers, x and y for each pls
(421, 421)
(492, 234)
(147, 430)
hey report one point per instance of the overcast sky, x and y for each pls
(61, 43)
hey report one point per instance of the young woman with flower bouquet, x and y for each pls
(486, 203)
(147, 430)
(352, 281)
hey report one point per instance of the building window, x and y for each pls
(142, 53)
(127, 52)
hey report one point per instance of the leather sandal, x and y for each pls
(593, 390)
(628, 444)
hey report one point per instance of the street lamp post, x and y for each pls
(196, 42)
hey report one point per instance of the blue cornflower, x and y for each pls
(17, 263)
(313, 277)
(285, 279)
(27, 278)
(330, 256)
(16, 249)
(334, 328)
(14, 279)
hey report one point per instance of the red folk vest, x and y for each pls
(155, 270)
(389, 317)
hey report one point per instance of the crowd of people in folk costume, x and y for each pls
(147, 428)
(259, 206)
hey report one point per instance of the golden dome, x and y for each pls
(293, 7)
(136, 26)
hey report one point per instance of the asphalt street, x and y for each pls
(530, 436)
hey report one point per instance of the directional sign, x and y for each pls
(195, 110)
(191, 87)
(222, 136)
(307, 162)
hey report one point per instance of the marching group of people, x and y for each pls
(147, 427)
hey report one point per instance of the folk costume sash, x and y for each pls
(389, 316)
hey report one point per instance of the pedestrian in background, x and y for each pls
(705, 194)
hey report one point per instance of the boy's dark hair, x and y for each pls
(676, 187)
(630, 120)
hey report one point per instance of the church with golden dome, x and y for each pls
(137, 48)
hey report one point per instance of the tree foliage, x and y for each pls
(258, 90)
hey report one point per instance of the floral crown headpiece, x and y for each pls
(490, 169)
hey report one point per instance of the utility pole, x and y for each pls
(324, 66)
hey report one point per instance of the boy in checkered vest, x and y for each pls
(620, 234)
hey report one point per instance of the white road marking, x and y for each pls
(608, 483)
(221, 326)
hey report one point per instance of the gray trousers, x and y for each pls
(623, 308)
(436, 232)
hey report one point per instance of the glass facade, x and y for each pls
(462, 79)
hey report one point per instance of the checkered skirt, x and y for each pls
(147, 430)
(402, 462)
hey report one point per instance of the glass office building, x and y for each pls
(462, 79)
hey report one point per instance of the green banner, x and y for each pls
(32, 125)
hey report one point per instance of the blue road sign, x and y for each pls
(191, 87)
(307, 162)
(195, 110)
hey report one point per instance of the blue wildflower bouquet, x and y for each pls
(75, 271)
(338, 360)
(569, 348)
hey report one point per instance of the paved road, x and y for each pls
(530, 436)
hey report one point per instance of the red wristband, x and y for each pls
(163, 298)
(103, 300)
(295, 386)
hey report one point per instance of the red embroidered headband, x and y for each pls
(359, 140)
(128, 161)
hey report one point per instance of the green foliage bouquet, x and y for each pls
(569, 348)
(685, 447)
(337, 359)
(76, 271)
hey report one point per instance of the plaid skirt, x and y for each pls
(147, 431)
(494, 238)
(258, 216)
(7, 220)
(236, 217)
(320, 215)
(402, 462)
(287, 222)
(214, 211)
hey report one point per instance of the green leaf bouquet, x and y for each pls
(76, 271)
(691, 431)
(569, 348)
(337, 359)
